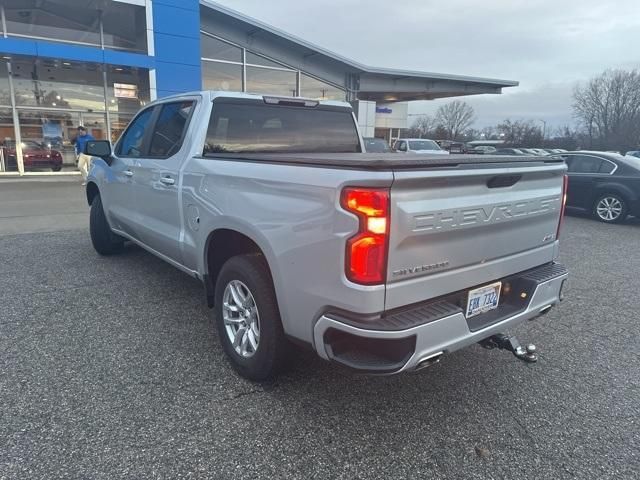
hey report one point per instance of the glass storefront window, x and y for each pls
(215, 49)
(127, 89)
(313, 88)
(253, 59)
(57, 20)
(273, 82)
(48, 139)
(58, 84)
(119, 122)
(124, 27)
(8, 162)
(5, 94)
(221, 76)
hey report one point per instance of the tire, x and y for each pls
(104, 241)
(261, 349)
(610, 208)
(56, 168)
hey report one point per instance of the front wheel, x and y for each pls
(104, 241)
(248, 318)
(610, 208)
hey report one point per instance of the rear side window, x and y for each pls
(170, 128)
(260, 128)
(583, 164)
(131, 143)
(606, 167)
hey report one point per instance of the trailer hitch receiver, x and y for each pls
(511, 343)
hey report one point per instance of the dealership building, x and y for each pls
(94, 63)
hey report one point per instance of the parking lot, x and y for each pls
(111, 368)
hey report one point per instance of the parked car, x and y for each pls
(633, 153)
(606, 185)
(531, 151)
(376, 262)
(451, 146)
(508, 151)
(540, 151)
(457, 147)
(418, 145)
(484, 149)
(34, 155)
(376, 145)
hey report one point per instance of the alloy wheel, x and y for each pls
(241, 318)
(609, 209)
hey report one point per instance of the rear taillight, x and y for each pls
(366, 252)
(563, 199)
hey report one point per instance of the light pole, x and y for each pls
(544, 129)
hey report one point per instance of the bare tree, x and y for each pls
(489, 133)
(455, 117)
(608, 107)
(520, 133)
(423, 126)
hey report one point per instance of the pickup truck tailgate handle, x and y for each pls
(502, 181)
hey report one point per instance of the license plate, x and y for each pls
(483, 299)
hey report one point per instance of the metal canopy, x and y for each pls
(361, 81)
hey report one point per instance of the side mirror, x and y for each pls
(98, 148)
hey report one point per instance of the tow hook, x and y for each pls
(511, 343)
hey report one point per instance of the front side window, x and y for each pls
(169, 130)
(261, 128)
(131, 143)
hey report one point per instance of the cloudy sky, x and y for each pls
(547, 45)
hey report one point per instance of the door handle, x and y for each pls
(128, 173)
(167, 180)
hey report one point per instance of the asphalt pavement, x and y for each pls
(111, 368)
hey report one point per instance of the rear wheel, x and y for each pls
(610, 208)
(248, 319)
(104, 241)
(56, 168)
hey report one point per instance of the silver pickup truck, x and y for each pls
(379, 262)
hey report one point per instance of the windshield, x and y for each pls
(423, 145)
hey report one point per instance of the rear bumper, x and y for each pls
(402, 341)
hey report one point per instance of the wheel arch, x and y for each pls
(222, 244)
(614, 188)
(91, 191)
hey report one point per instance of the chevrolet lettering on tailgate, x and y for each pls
(468, 217)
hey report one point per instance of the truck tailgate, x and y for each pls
(456, 228)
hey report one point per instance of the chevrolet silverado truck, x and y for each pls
(382, 263)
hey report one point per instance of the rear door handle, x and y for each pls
(128, 173)
(167, 180)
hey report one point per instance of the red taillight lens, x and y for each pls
(565, 184)
(366, 253)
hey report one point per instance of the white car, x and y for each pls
(418, 145)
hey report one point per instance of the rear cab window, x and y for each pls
(252, 126)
